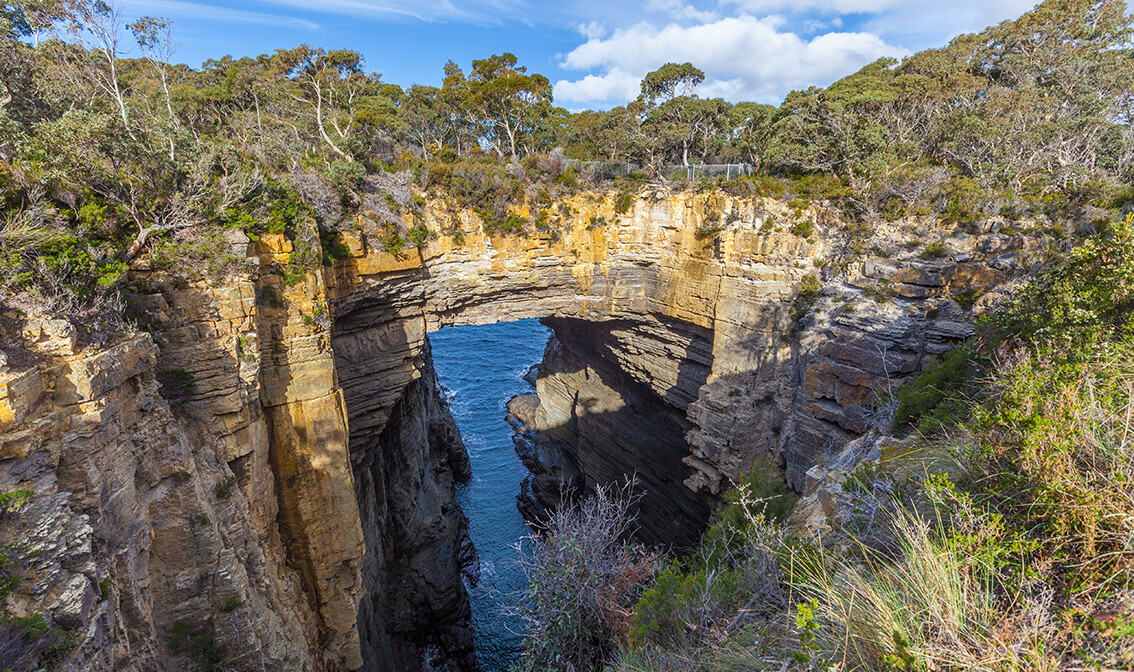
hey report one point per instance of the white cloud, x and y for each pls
(425, 10)
(744, 58)
(924, 25)
(825, 6)
(176, 9)
(678, 10)
(615, 85)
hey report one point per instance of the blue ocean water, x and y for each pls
(481, 368)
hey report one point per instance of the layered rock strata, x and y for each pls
(270, 471)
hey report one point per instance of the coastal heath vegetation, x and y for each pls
(111, 163)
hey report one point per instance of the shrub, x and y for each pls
(418, 235)
(939, 397)
(286, 212)
(709, 232)
(624, 202)
(332, 247)
(223, 488)
(934, 250)
(199, 645)
(961, 199)
(733, 576)
(1058, 456)
(806, 294)
(968, 298)
(803, 228)
(176, 383)
(1081, 305)
(583, 576)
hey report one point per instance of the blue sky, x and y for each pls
(594, 52)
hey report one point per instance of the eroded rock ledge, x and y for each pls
(272, 465)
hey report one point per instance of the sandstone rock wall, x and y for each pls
(271, 467)
(690, 299)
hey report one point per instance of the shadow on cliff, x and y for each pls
(407, 456)
(618, 427)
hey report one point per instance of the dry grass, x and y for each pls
(933, 607)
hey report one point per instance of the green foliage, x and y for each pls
(224, 487)
(662, 614)
(624, 202)
(808, 626)
(709, 231)
(332, 247)
(199, 645)
(802, 228)
(939, 397)
(962, 198)
(807, 292)
(304, 258)
(934, 250)
(1083, 304)
(12, 500)
(176, 383)
(286, 212)
(968, 298)
(418, 235)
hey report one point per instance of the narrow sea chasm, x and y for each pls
(480, 369)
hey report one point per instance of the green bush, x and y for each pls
(332, 247)
(624, 202)
(199, 645)
(286, 211)
(962, 198)
(176, 383)
(934, 250)
(939, 396)
(802, 228)
(418, 235)
(1083, 304)
(806, 294)
(678, 599)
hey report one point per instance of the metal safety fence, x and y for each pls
(674, 173)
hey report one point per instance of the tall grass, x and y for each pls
(932, 607)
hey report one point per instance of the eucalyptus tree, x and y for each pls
(507, 102)
(333, 85)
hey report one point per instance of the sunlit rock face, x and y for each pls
(271, 465)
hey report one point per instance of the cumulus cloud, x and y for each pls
(744, 58)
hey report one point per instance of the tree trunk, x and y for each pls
(322, 130)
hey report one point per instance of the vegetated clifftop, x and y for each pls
(267, 476)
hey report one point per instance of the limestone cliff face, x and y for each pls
(271, 466)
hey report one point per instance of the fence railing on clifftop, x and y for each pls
(673, 173)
